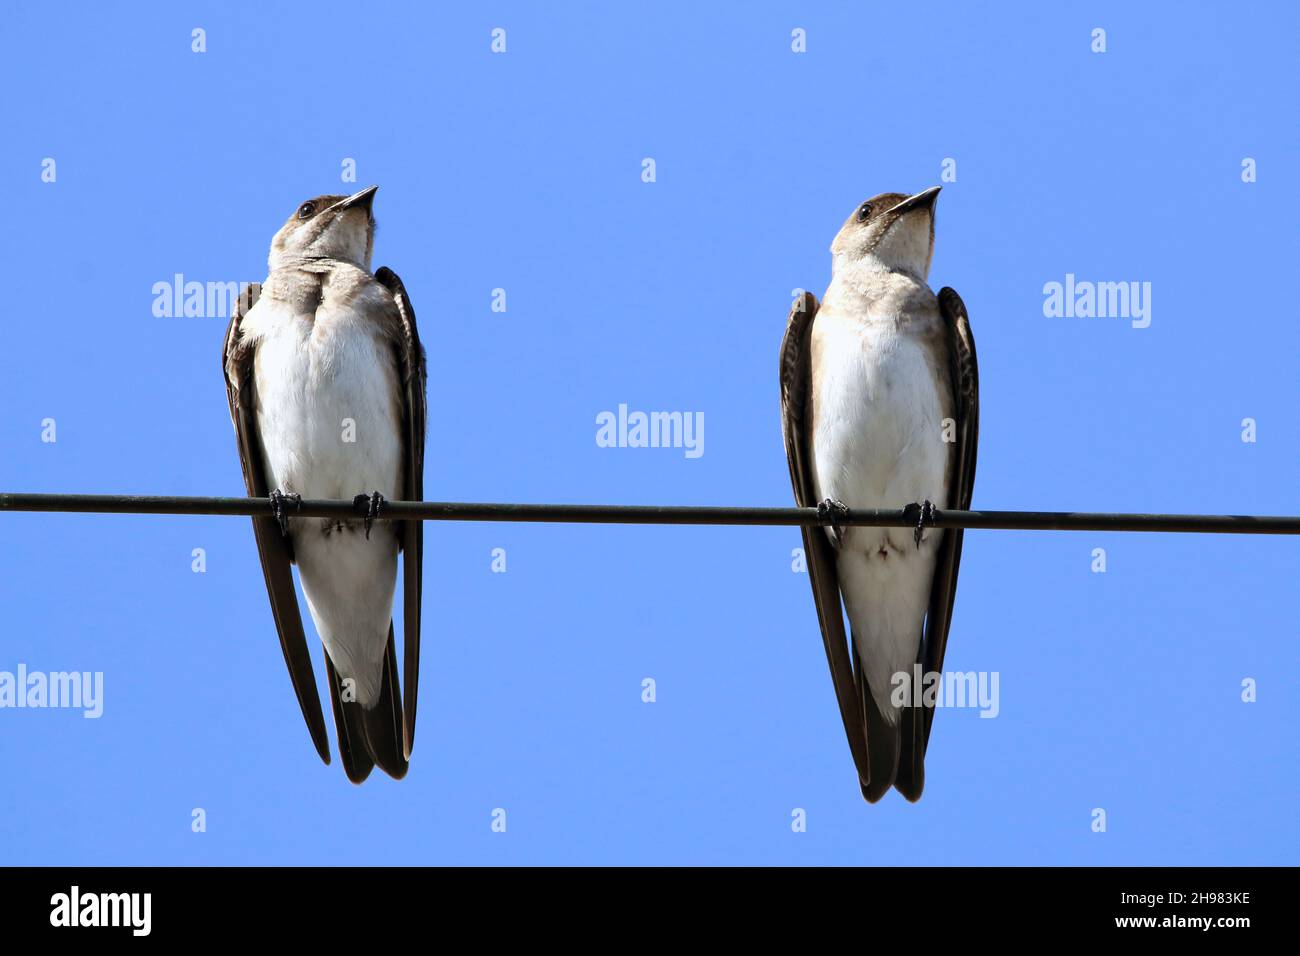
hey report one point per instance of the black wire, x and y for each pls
(658, 514)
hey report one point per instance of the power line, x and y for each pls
(657, 514)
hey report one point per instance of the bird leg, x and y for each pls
(278, 501)
(925, 513)
(370, 505)
(837, 511)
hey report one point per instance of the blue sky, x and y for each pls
(522, 171)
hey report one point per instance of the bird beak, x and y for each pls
(364, 199)
(922, 200)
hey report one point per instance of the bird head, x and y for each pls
(892, 231)
(328, 227)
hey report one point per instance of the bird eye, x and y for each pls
(306, 210)
(864, 211)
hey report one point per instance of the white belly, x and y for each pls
(326, 409)
(879, 436)
(331, 428)
(878, 443)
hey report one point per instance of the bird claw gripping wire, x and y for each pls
(369, 506)
(925, 514)
(279, 499)
(837, 511)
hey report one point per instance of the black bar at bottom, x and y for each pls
(924, 905)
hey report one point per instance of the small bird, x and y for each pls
(325, 376)
(880, 407)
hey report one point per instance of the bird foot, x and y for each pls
(925, 513)
(837, 511)
(370, 506)
(279, 501)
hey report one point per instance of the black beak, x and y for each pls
(365, 198)
(922, 200)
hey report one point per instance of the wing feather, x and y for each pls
(796, 418)
(274, 549)
(965, 389)
(414, 375)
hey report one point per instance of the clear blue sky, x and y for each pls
(522, 171)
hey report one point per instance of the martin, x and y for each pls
(325, 377)
(880, 407)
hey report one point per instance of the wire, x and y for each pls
(657, 514)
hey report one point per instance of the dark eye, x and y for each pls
(864, 211)
(306, 210)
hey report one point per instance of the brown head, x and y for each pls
(329, 227)
(893, 231)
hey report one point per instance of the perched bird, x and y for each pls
(880, 406)
(325, 376)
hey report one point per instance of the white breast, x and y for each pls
(879, 436)
(326, 412)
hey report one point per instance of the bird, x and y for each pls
(880, 409)
(326, 382)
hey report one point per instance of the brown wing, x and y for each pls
(796, 419)
(273, 548)
(410, 362)
(966, 396)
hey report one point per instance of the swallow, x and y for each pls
(326, 381)
(880, 409)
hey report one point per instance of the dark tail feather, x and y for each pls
(383, 723)
(915, 725)
(911, 758)
(353, 750)
(882, 740)
(374, 736)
